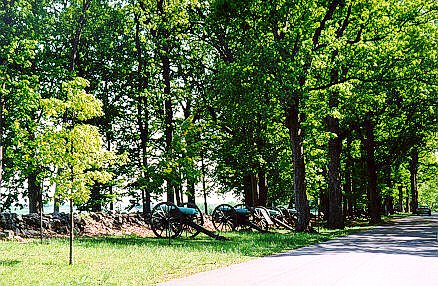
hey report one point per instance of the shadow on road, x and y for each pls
(415, 235)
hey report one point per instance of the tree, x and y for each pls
(73, 147)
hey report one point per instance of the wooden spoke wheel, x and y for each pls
(166, 220)
(288, 217)
(259, 219)
(281, 216)
(224, 218)
(194, 214)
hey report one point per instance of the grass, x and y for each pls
(138, 261)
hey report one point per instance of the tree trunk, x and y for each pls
(301, 202)
(324, 204)
(263, 189)
(348, 190)
(56, 203)
(110, 187)
(164, 43)
(72, 227)
(190, 191)
(190, 154)
(142, 107)
(250, 190)
(78, 33)
(204, 189)
(400, 199)
(2, 102)
(95, 198)
(178, 194)
(335, 216)
(35, 193)
(168, 113)
(389, 201)
(373, 192)
(413, 168)
(247, 192)
(41, 223)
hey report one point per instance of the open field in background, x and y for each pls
(138, 261)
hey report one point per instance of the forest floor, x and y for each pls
(401, 252)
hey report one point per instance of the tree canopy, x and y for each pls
(315, 104)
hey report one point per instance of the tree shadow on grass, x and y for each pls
(8, 262)
(251, 244)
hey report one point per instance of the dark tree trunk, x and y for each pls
(373, 192)
(2, 124)
(335, 216)
(35, 193)
(163, 37)
(263, 189)
(388, 202)
(190, 141)
(78, 35)
(250, 189)
(95, 198)
(204, 190)
(190, 191)
(348, 190)
(56, 203)
(178, 193)
(168, 114)
(301, 202)
(323, 199)
(413, 168)
(142, 108)
(110, 187)
(400, 199)
(324, 204)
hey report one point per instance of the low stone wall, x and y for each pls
(85, 224)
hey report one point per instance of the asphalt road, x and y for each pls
(402, 253)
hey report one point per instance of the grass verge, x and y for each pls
(139, 261)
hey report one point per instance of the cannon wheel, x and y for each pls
(197, 218)
(287, 216)
(166, 220)
(250, 217)
(259, 219)
(224, 217)
(283, 214)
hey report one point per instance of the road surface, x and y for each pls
(402, 253)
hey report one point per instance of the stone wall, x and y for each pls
(85, 224)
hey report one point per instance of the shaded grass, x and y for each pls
(134, 260)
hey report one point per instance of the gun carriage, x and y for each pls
(170, 221)
(241, 217)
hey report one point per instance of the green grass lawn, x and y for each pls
(135, 260)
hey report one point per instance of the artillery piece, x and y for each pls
(228, 218)
(279, 217)
(287, 215)
(170, 221)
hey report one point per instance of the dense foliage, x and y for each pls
(314, 104)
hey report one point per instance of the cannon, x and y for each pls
(287, 215)
(170, 221)
(279, 217)
(228, 218)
